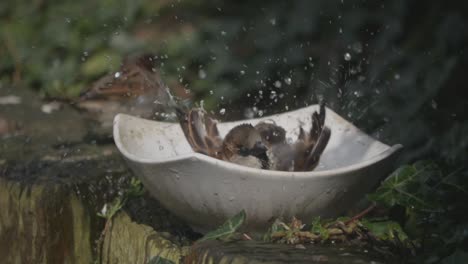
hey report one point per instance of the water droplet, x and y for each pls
(201, 74)
(272, 94)
(223, 33)
(357, 47)
(260, 113)
(277, 84)
(211, 92)
(273, 21)
(397, 76)
(222, 111)
(347, 56)
(434, 104)
(249, 113)
(242, 72)
(117, 75)
(288, 81)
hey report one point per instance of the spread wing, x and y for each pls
(310, 145)
(201, 131)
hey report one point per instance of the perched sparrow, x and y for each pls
(242, 145)
(262, 146)
(137, 89)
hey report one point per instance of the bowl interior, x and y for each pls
(158, 142)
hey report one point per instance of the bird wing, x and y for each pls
(310, 145)
(201, 131)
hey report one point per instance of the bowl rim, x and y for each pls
(239, 168)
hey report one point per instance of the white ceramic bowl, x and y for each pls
(205, 191)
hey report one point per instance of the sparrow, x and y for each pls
(136, 88)
(263, 146)
(301, 155)
(242, 145)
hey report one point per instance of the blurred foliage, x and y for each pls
(432, 208)
(394, 68)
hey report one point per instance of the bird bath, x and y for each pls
(205, 191)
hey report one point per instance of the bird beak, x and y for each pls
(258, 149)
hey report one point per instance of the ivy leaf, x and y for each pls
(385, 230)
(227, 229)
(407, 185)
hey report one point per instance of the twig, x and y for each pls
(361, 214)
(246, 237)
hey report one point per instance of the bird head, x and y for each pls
(271, 133)
(244, 140)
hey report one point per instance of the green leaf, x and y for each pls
(385, 230)
(110, 209)
(407, 186)
(228, 228)
(136, 188)
(275, 227)
(319, 229)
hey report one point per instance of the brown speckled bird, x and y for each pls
(262, 146)
(242, 145)
(301, 155)
(136, 88)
